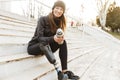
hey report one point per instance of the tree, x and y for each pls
(102, 6)
(98, 21)
(113, 19)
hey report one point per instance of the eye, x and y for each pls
(59, 8)
(56, 7)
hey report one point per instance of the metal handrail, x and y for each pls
(33, 5)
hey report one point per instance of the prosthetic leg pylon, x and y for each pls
(51, 58)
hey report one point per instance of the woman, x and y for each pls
(45, 35)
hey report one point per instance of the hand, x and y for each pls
(58, 40)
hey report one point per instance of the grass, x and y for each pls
(116, 35)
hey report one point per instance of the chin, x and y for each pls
(57, 16)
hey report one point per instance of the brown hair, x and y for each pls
(53, 25)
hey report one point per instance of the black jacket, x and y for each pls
(42, 32)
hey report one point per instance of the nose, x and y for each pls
(59, 10)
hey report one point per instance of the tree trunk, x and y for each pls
(102, 10)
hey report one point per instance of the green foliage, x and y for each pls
(113, 19)
(116, 35)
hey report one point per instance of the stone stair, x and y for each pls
(15, 32)
(16, 64)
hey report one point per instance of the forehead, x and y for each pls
(59, 7)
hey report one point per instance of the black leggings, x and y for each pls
(35, 50)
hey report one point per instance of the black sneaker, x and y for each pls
(71, 75)
(62, 76)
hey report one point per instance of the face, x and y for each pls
(58, 11)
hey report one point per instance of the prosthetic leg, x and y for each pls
(51, 58)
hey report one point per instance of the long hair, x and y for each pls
(53, 24)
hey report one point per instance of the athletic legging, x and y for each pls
(35, 50)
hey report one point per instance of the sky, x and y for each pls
(82, 9)
(73, 8)
(89, 11)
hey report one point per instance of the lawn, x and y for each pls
(117, 35)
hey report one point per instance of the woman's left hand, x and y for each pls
(58, 40)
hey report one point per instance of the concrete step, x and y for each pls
(16, 55)
(6, 50)
(100, 35)
(104, 68)
(90, 65)
(10, 39)
(18, 28)
(78, 57)
(7, 17)
(16, 64)
(9, 32)
(33, 66)
(19, 67)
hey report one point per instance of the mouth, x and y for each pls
(58, 14)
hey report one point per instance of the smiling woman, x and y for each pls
(58, 9)
(46, 42)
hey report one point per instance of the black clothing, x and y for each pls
(43, 32)
(71, 75)
(44, 35)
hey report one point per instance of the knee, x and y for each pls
(29, 51)
(32, 51)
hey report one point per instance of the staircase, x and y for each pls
(91, 53)
(15, 32)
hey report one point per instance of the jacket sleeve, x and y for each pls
(40, 32)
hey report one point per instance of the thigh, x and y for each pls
(35, 50)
